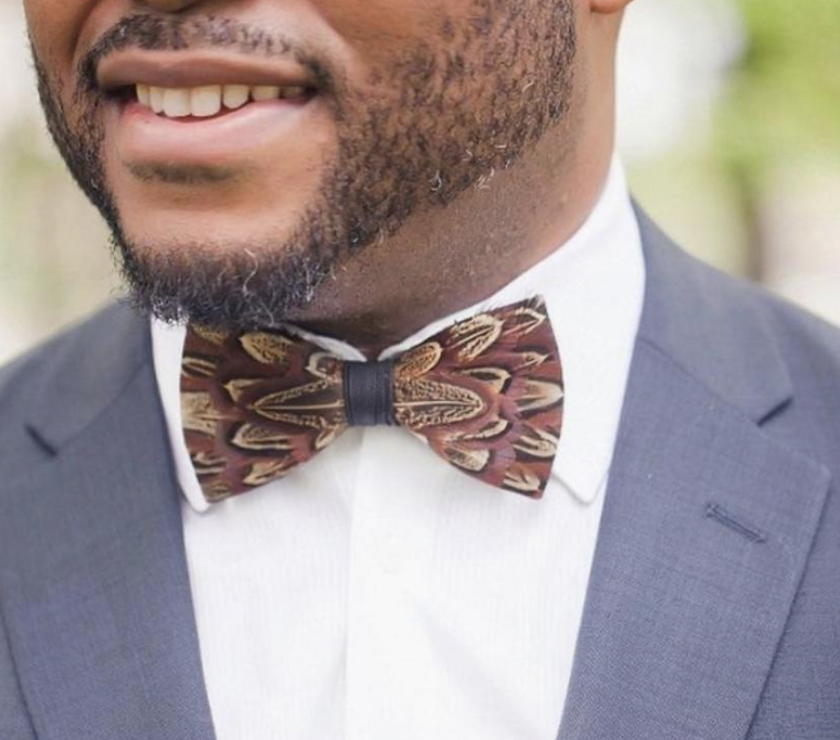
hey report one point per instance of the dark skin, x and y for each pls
(449, 146)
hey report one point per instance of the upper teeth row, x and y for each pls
(208, 100)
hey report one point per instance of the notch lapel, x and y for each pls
(706, 527)
(684, 611)
(94, 586)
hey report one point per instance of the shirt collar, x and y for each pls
(594, 288)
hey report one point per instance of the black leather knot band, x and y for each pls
(369, 393)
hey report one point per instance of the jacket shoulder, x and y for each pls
(809, 348)
(809, 344)
(25, 370)
(66, 370)
(804, 335)
(713, 320)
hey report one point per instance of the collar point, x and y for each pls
(585, 488)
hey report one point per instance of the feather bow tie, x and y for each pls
(486, 393)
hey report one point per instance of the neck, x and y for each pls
(446, 260)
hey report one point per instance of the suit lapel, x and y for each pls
(704, 535)
(94, 586)
(706, 527)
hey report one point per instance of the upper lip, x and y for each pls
(185, 69)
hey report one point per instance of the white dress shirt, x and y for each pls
(377, 592)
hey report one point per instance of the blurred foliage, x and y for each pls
(783, 100)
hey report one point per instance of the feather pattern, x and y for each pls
(486, 393)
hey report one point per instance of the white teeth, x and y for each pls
(156, 99)
(206, 101)
(209, 100)
(143, 95)
(176, 103)
(235, 96)
(265, 92)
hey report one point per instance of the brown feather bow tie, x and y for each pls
(486, 393)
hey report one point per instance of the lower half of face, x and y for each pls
(231, 203)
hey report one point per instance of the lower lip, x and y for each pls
(144, 137)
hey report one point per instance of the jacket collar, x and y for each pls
(94, 587)
(707, 523)
(711, 327)
(82, 379)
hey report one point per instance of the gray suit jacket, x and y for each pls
(713, 609)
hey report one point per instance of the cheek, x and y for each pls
(377, 30)
(61, 30)
(54, 26)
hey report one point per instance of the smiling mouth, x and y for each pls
(206, 101)
(198, 86)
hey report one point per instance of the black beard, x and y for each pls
(455, 114)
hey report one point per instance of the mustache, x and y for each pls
(180, 33)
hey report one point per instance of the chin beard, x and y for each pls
(240, 287)
(441, 124)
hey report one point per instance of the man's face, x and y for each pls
(236, 201)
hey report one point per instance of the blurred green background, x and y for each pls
(729, 115)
